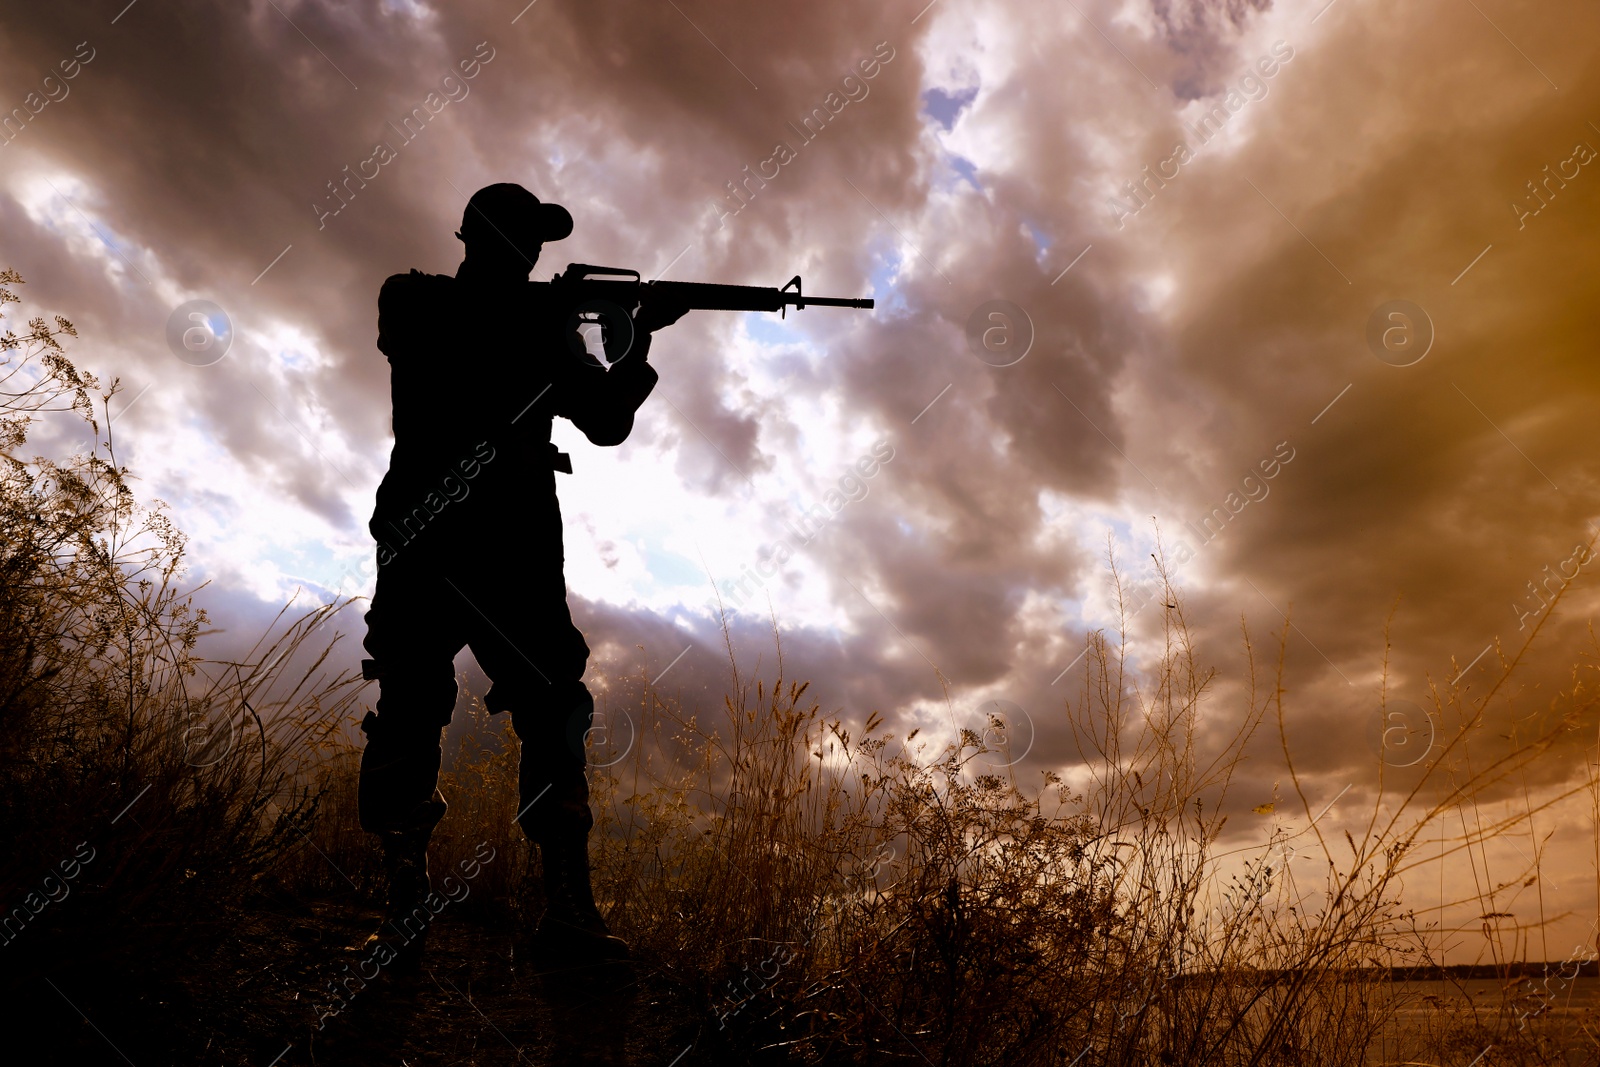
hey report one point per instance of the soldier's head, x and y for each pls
(505, 228)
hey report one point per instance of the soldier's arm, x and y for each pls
(602, 404)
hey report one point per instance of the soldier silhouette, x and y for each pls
(470, 553)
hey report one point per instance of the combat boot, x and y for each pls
(407, 913)
(572, 924)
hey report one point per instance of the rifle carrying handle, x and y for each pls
(579, 271)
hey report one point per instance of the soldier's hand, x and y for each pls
(656, 314)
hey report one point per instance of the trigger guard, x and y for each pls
(618, 332)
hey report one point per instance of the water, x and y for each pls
(1553, 1012)
(1555, 994)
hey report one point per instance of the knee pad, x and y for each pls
(398, 786)
(416, 696)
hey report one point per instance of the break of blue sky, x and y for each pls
(298, 357)
(666, 566)
(312, 564)
(887, 260)
(67, 206)
(770, 330)
(946, 106)
(964, 167)
(1041, 240)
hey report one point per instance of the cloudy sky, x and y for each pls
(1301, 286)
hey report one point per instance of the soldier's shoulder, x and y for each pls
(415, 284)
(411, 307)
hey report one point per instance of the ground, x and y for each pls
(258, 996)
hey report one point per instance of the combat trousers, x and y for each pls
(433, 597)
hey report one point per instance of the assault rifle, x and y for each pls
(585, 283)
(610, 297)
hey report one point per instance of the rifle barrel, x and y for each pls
(831, 301)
